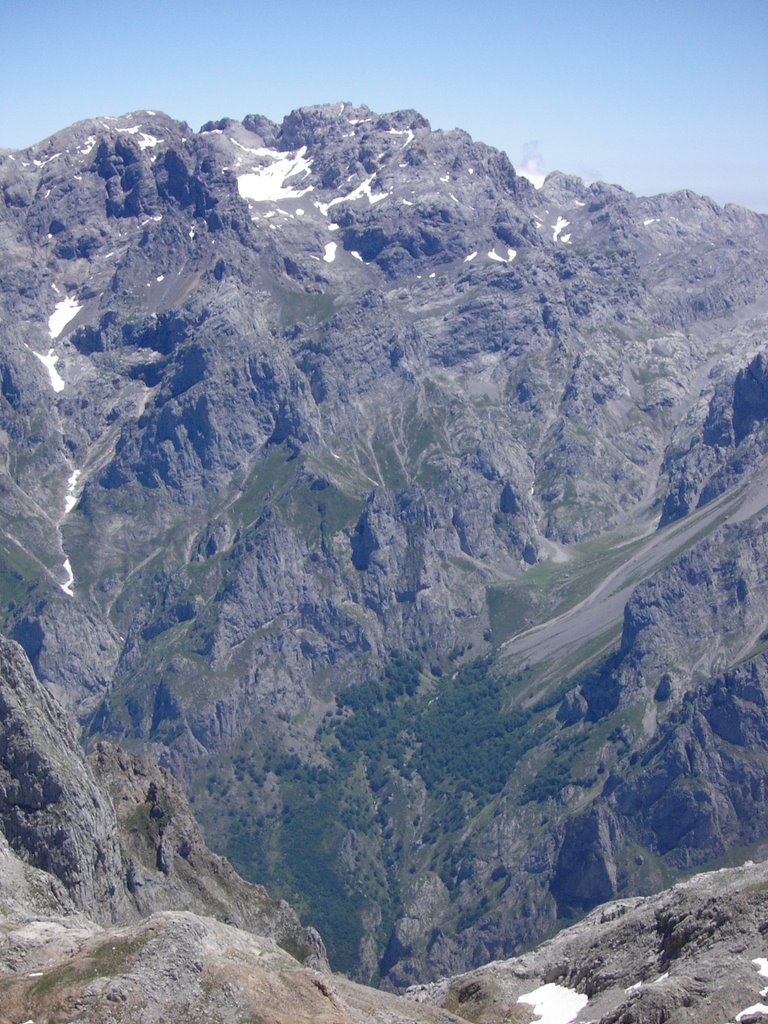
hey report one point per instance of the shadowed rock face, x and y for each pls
(750, 398)
(53, 814)
(731, 444)
(336, 406)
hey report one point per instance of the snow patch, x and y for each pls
(511, 253)
(651, 220)
(468, 259)
(245, 149)
(407, 131)
(49, 362)
(67, 587)
(42, 163)
(558, 226)
(357, 255)
(71, 500)
(64, 311)
(757, 1008)
(269, 183)
(555, 1004)
(148, 141)
(578, 202)
(88, 145)
(330, 252)
(363, 189)
(761, 963)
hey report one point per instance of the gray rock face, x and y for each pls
(113, 837)
(731, 442)
(280, 402)
(52, 813)
(167, 865)
(694, 952)
(348, 300)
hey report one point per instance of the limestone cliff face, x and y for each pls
(52, 813)
(112, 836)
(729, 443)
(168, 866)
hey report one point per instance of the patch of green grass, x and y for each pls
(18, 573)
(110, 958)
(551, 588)
(147, 821)
(320, 514)
(269, 479)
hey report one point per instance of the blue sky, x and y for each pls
(653, 96)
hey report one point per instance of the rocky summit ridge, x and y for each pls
(411, 515)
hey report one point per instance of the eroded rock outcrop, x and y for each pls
(112, 836)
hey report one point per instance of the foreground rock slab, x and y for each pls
(179, 967)
(696, 952)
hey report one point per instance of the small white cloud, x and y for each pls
(531, 166)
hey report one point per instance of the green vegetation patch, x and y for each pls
(410, 758)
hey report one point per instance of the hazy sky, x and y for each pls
(654, 96)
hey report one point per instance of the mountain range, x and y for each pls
(412, 516)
